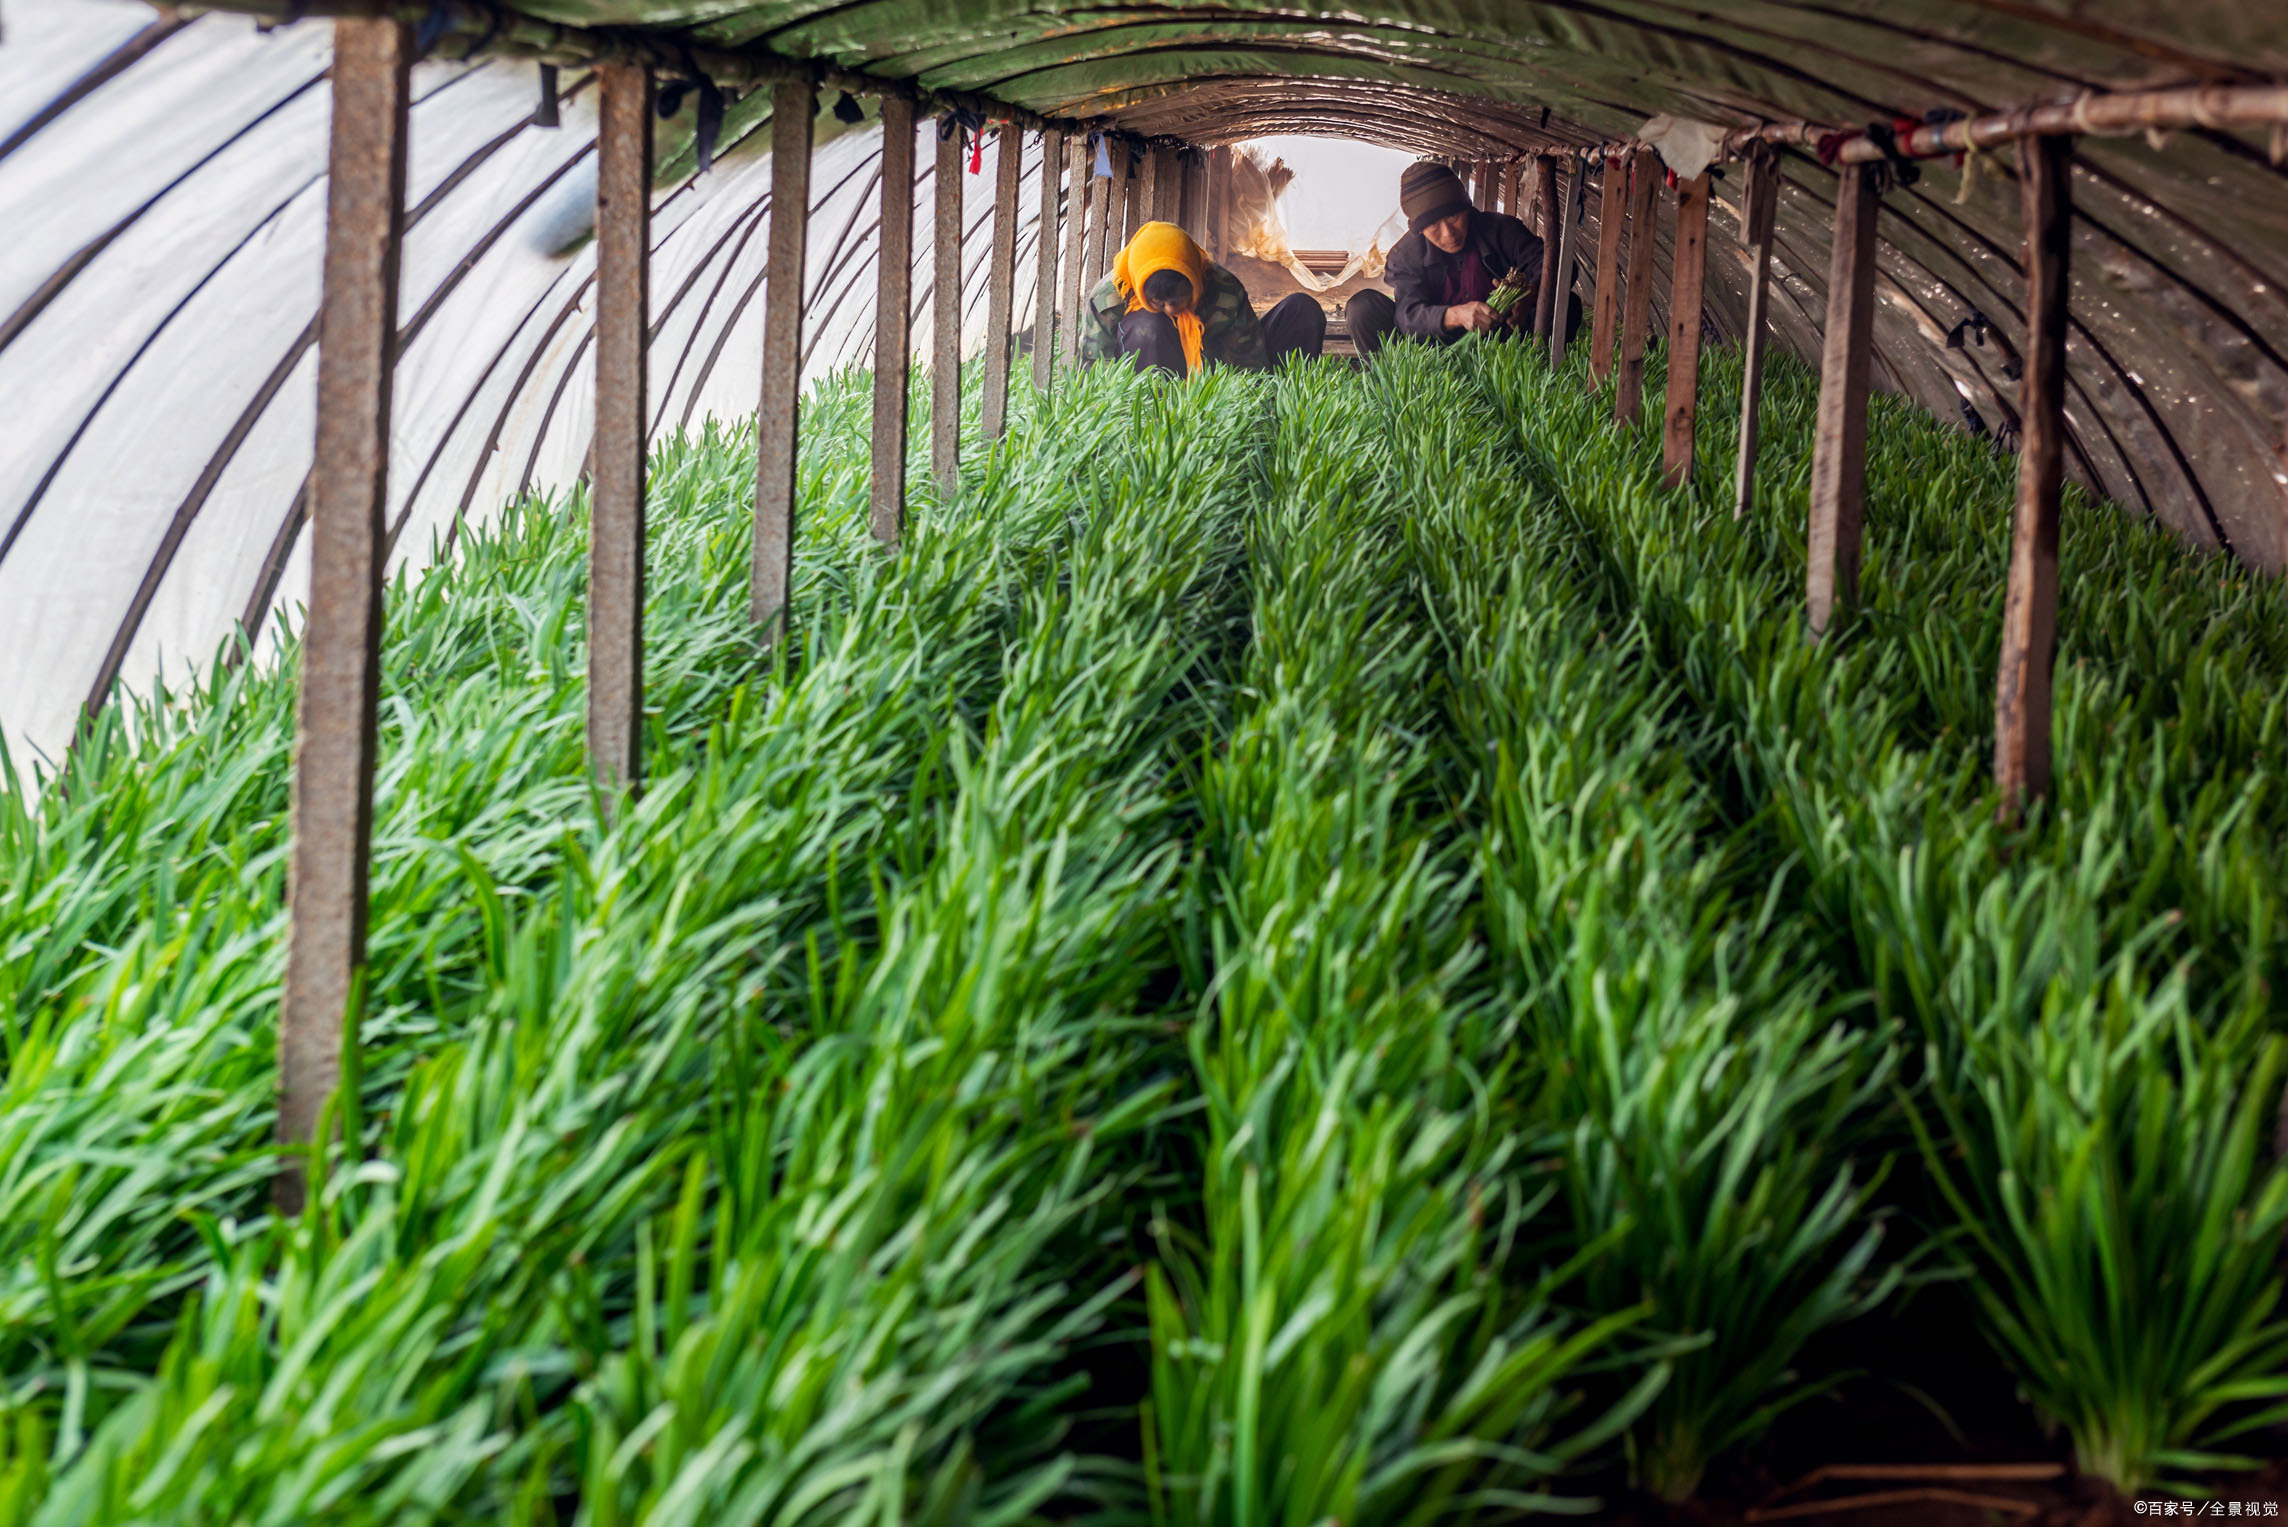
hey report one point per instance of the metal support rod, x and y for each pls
(945, 313)
(1546, 214)
(893, 320)
(1612, 193)
(2030, 609)
(1568, 234)
(1045, 258)
(1636, 292)
(794, 111)
(1077, 197)
(341, 647)
(1759, 201)
(616, 502)
(1839, 442)
(1688, 281)
(1001, 279)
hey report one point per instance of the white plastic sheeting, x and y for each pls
(162, 188)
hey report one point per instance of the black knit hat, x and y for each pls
(1428, 192)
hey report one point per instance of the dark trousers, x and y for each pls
(1373, 318)
(1296, 325)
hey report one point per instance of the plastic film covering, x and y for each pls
(163, 185)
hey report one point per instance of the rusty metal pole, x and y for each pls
(1612, 192)
(616, 502)
(1636, 293)
(1545, 201)
(794, 110)
(341, 647)
(1839, 441)
(1045, 259)
(1687, 286)
(1001, 280)
(2030, 609)
(945, 312)
(1759, 203)
(1077, 196)
(1568, 235)
(893, 319)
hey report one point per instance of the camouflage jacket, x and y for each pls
(1230, 333)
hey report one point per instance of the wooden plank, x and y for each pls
(1569, 233)
(1759, 201)
(1509, 176)
(1547, 213)
(1001, 279)
(1612, 193)
(1636, 292)
(794, 111)
(341, 646)
(1148, 192)
(945, 313)
(1045, 257)
(616, 515)
(1129, 172)
(1839, 443)
(1077, 197)
(1687, 287)
(1219, 203)
(2030, 609)
(893, 319)
(1102, 208)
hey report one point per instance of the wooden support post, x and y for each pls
(1045, 257)
(1839, 443)
(1636, 292)
(1001, 279)
(1568, 234)
(1148, 193)
(1545, 200)
(1102, 208)
(341, 646)
(1612, 192)
(1688, 281)
(1077, 198)
(1131, 215)
(1219, 204)
(2030, 609)
(945, 315)
(893, 319)
(1509, 174)
(616, 512)
(1759, 202)
(794, 108)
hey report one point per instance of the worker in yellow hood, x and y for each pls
(1167, 305)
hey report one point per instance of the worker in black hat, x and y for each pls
(1445, 267)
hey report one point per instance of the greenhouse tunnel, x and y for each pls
(266, 344)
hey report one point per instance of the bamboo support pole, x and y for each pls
(1612, 194)
(341, 646)
(945, 311)
(1077, 197)
(893, 320)
(1547, 211)
(616, 502)
(2030, 608)
(1839, 442)
(1636, 292)
(1759, 202)
(1045, 258)
(794, 112)
(1001, 279)
(1687, 286)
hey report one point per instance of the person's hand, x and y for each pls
(1472, 317)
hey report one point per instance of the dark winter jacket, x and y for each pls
(1426, 280)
